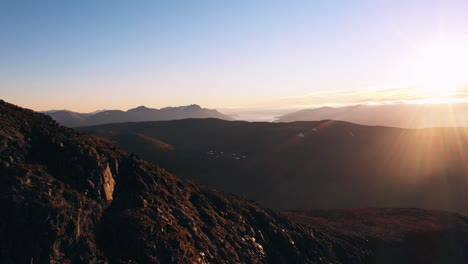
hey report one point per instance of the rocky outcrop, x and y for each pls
(109, 183)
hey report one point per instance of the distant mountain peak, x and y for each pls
(190, 107)
(183, 107)
(194, 106)
(139, 108)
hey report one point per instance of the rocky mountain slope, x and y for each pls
(141, 113)
(393, 115)
(396, 235)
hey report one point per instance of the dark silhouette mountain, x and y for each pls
(302, 165)
(394, 115)
(141, 113)
(72, 198)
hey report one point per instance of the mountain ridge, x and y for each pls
(137, 114)
(390, 115)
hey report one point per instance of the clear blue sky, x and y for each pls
(88, 55)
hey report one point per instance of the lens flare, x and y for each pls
(439, 69)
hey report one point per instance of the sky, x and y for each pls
(90, 55)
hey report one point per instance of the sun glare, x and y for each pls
(439, 69)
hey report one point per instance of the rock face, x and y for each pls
(71, 198)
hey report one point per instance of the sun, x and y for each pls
(439, 69)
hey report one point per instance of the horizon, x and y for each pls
(263, 55)
(273, 114)
(450, 109)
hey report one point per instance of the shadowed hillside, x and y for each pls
(301, 165)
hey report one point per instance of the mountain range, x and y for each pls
(392, 115)
(141, 113)
(68, 197)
